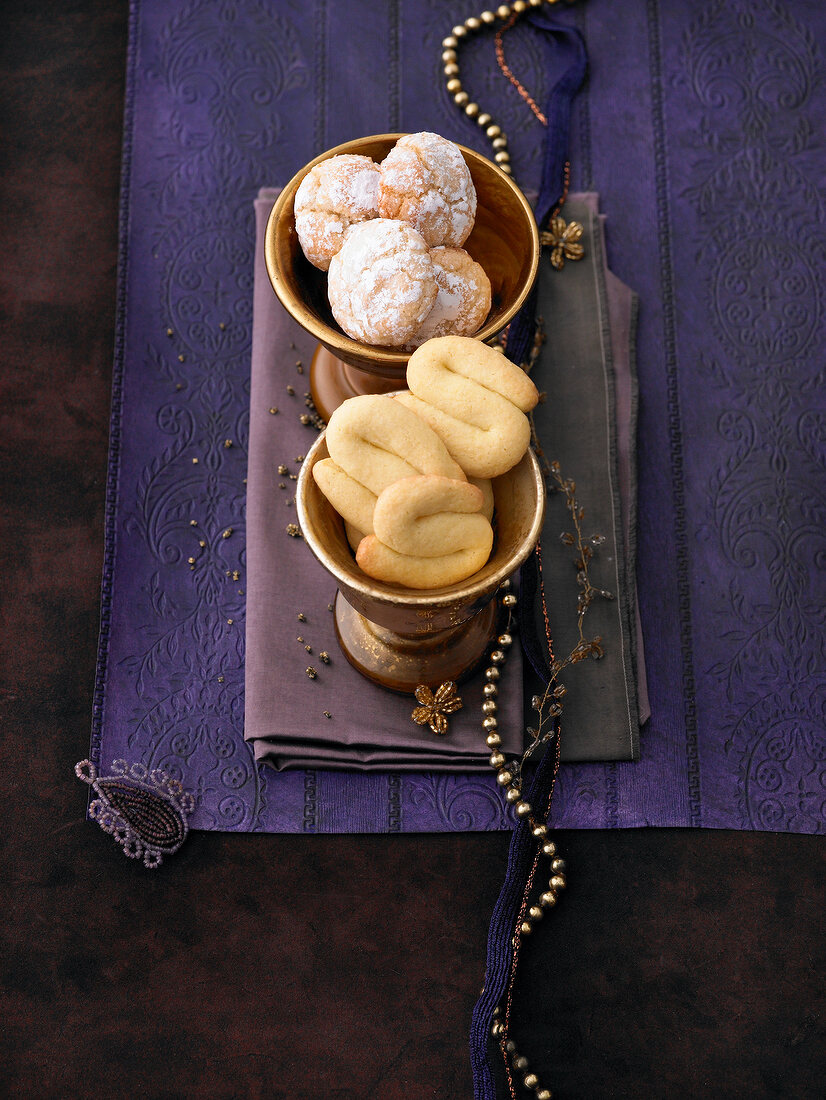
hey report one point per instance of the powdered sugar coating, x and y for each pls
(425, 181)
(382, 283)
(336, 194)
(462, 299)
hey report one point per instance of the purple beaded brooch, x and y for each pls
(145, 812)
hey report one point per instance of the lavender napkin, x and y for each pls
(336, 719)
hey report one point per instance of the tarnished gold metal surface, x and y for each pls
(504, 241)
(401, 637)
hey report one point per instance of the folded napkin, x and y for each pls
(588, 424)
(369, 728)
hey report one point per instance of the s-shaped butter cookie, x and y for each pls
(374, 441)
(475, 399)
(429, 532)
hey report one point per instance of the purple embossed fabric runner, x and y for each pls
(697, 124)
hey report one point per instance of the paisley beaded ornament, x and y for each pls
(144, 811)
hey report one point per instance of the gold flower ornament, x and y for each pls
(563, 240)
(435, 707)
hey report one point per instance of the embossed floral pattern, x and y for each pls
(765, 299)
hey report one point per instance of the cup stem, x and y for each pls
(401, 662)
(333, 381)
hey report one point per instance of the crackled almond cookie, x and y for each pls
(382, 282)
(374, 441)
(426, 182)
(429, 532)
(475, 399)
(336, 194)
(462, 299)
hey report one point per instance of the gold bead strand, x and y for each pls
(513, 794)
(508, 15)
(505, 773)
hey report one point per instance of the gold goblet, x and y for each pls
(504, 241)
(402, 637)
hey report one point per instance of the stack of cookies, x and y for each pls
(390, 235)
(410, 474)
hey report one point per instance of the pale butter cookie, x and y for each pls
(462, 299)
(429, 532)
(475, 399)
(382, 282)
(374, 441)
(336, 194)
(426, 182)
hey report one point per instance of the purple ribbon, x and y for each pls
(566, 50)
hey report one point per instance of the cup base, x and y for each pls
(400, 662)
(333, 381)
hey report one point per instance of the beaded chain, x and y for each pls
(529, 915)
(506, 14)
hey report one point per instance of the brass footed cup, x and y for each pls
(401, 637)
(504, 240)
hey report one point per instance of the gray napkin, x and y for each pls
(588, 424)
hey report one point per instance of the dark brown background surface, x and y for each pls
(679, 963)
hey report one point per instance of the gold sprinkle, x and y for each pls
(179, 386)
(195, 462)
(311, 672)
(220, 679)
(244, 482)
(327, 714)
(282, 469)
(169, 332)
(191, 561)
(302, 618)
(329, 607)
(293, 477)
(308, 648)
(227, 442)
(298, 362)
(201, 542)
(293, 530)
(304, 419)
(181, 359)
(229, 574)
(230, 622)
(193, 523)
(299, 458)
(325, 657)
(222, 326)
(240, 591)
(236, 576)
(227, 533)
(290, 391)
(300, 638)
(282, 485)
(299, 368)
(273, 410)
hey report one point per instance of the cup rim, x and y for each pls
(412, 597)
(338, 342)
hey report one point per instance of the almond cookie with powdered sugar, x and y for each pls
(426, 182)
(382, 282)
(336, 194)
(462, 300)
